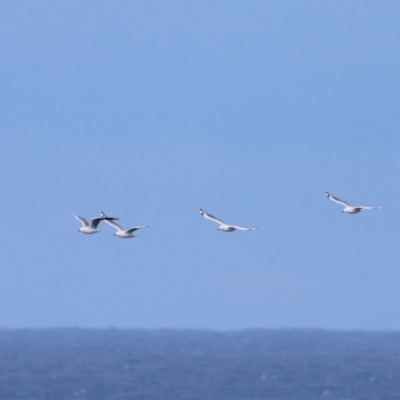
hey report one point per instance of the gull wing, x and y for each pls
(369, 208)
(95, 222)
(135, 228)
(113, 224)
(82, 220)
(211, 217)
(242, 228)
(105, 216)
(336, 200)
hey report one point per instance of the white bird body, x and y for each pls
(91, 228)
(223, 226)
(348, 208)
(125, 233)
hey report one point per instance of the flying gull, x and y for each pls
(348, 208)
(92, 227)
(223, 226)
(124, 233)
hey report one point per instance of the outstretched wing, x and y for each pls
(105, 216)
(242, 228)
(95, 222)
(82, 220)
(336, 200)
(211, 217)
(113, 224)
(369, 208)
(135, 228)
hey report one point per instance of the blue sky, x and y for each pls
(149, 110)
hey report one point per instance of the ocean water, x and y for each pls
(108, 364)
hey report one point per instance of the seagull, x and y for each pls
(223, 226)
(92, 227)
(124, 233)
(348, 208)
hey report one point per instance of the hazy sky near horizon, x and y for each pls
(149, 110)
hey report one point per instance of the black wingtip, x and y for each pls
(104, 216)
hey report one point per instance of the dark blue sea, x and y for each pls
(108, 364)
